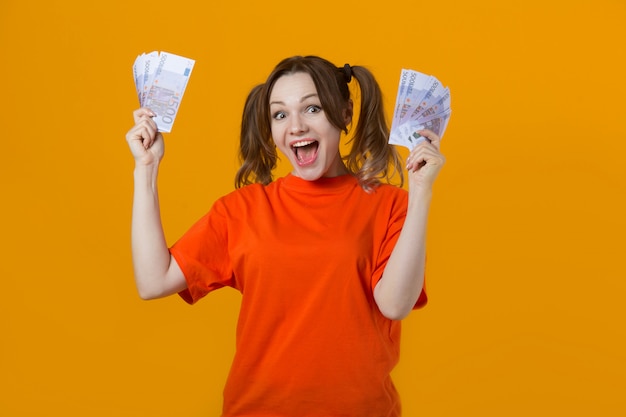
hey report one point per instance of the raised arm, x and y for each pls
(156, 272)
(403, 279)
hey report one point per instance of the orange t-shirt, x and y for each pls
(306, 257)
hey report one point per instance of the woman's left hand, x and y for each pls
(425, 161)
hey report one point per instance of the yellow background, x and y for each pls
(526, 256)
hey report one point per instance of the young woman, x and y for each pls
(328, 259)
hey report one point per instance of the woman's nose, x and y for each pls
(298, 124)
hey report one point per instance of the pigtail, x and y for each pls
(371, 157)
(257, 152)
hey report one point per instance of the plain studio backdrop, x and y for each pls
(525, 271)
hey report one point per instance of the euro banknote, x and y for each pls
(160, 80)
(422, 102)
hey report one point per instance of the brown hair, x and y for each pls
(371, 158)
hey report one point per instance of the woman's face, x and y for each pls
(301, 130)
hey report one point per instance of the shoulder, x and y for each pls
(389, 191)
(246, 191)
(390, 200)
(245, 196)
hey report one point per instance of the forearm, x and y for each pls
(403, 278)
(151, 257)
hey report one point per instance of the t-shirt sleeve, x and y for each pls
(393, 228)
(203, 256)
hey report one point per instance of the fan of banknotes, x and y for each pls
(160, 79)
(422, 103)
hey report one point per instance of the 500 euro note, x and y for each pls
(406, 134)
(143, 70)
(161, 79)
(421, 103)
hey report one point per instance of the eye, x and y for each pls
(313, 109)
(278, 115)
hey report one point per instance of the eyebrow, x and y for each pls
(304, 98)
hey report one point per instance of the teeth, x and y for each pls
(301, 144)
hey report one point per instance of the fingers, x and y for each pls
(431, 136)
(425, 153)
(144, 139)
(142, 112)
(145, 129)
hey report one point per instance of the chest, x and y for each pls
(308, 239)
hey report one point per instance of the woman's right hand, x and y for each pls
(145, 141)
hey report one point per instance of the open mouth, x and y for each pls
(305, 151)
